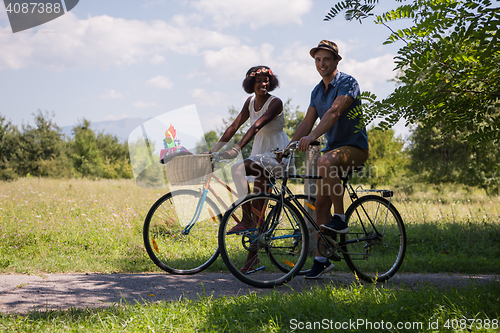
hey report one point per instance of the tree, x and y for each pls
(85, 152)
(211, 138)
(98, 155)
(449, 65)
(437, 156)
(388, 160)
(38, 144)
(8, 144)
(115, 156)
(293, 117)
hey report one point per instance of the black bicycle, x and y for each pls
(275, 251)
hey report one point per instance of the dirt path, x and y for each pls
(23, 293)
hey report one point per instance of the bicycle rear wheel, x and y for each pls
(170, 244)
(377, 239)
(257, 256)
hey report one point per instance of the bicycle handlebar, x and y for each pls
(217, 157)
(291, 147)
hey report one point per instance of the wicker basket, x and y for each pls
(189, 169)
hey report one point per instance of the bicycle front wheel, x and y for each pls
(180, 232)
(374, 247)
(307, 202)
(278, 238)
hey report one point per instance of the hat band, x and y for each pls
(328, 47)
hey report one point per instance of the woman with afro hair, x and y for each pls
(267, 120)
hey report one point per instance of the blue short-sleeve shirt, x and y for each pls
(344, 132)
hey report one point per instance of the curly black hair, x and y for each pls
(249, 81)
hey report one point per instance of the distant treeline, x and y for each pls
(429, 155)
(43, 151)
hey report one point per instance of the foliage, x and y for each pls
(449, 65)
(42, 142)
(388, 160)
(84, 151)
(43, 151)
(293, 117)
(439, 157)
(354, 9)
(8, 143)
(211, 138)
(233, 113)
(355, 307)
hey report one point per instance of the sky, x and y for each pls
(109, 60)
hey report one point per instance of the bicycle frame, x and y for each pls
(204, 192)
(352, 195)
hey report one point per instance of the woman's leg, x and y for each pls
(239, 172)
(239, 178)
(250, 220)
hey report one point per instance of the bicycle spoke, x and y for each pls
(257, 257)
(180, 237)
(371, 254)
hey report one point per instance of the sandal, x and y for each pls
(249, 265)
(242, 226)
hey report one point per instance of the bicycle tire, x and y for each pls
(379, 258)
(166, 243)
(311, 200)
(287, 243)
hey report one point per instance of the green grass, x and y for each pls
(57, 226)
(424, 309)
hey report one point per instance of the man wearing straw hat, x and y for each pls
(346, 145)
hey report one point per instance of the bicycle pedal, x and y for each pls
(261, 268)
(335, 257)
(249, 232)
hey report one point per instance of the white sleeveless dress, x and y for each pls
(270, 136)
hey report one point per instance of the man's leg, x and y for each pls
(330, 168)
(323, 206)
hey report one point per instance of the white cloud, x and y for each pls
(204, 97)
(254, 12)
(117, 117)
(236, 60)
(211, 121)
(143, 105)
(295, 67)
(371, 74)
(111, 94)
(149, 3)
(157, 59)
(160, 82)
(104, 41)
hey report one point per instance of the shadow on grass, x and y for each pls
(352, 307)
(468, 248)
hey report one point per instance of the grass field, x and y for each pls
(83, 225)
(356, 308)
(58, 226)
